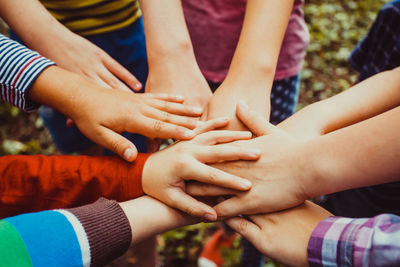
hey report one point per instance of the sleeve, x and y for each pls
(34, 183)
(19, 67)
(91, 235)
(338, 241)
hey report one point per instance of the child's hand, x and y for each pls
(224, 101)
(277, 177)
(103, 114)
(166, 171)
(86, 59)
(179, 77)
(282, 236)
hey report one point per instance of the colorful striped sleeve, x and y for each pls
(338, 241)
(19, 67)
(90, 235)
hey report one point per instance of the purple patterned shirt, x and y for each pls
(339, 241)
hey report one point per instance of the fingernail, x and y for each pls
(188, 133)
(138, 85)
(243, 105)
(254, 152)
(128, 153)
(245, 184)
(197, 110)
(209, 217)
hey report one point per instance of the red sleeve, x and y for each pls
(32, 183)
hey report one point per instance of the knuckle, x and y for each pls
(191, 210)
(181, 164)
(117, 145)
(243, 225)
(157, 126)
(166, 117)
(213, 177)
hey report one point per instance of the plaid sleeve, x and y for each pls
(338, 241)
(19, 67)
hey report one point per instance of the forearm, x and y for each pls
(67, 100)
(364, 100)
(21, 68)
(149, 217)
(65, 181)
(37, 28)
(364, 154)
(378, 237)
(260, 41)
(167, 37)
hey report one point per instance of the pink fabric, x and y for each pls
(215, 25)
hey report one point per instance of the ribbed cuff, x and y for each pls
(107, 229)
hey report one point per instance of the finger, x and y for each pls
(116, 143)
(232, 207)
(158, 129)
(206, 174)
(176, 108)
(222, 136)
(184, 121)
(166, 97)
(226, 152)
(252, 120)
(122, 73)
(113, 82)
(206, 126)
(208, 190)
(180, 200)
(246, 228)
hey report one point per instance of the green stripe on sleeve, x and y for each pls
(12, 248)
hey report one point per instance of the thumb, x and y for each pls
(253, 120)
(231, 207)
(118, 144)
(246, 228)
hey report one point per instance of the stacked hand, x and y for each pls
(277, 180)
(166, 171)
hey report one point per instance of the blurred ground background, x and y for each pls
(336, 26)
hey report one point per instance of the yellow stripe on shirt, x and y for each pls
(88, 17)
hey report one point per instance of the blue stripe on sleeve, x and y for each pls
(49, 238)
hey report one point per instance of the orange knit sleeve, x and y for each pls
(33, 183)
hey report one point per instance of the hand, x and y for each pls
(114, 112)
(276, 176)
(225, 99)
(82, 57)
(166, 171)
(282, 236)
(179, 78)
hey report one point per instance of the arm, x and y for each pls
(40, 32)
(252, 70)
(91, 235)
(172, 65)
(65, 181)
(289, 171)
(49, 182)
(27, 80)
(307, 235)
(369, 98)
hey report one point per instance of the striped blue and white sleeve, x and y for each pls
(19, 67)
